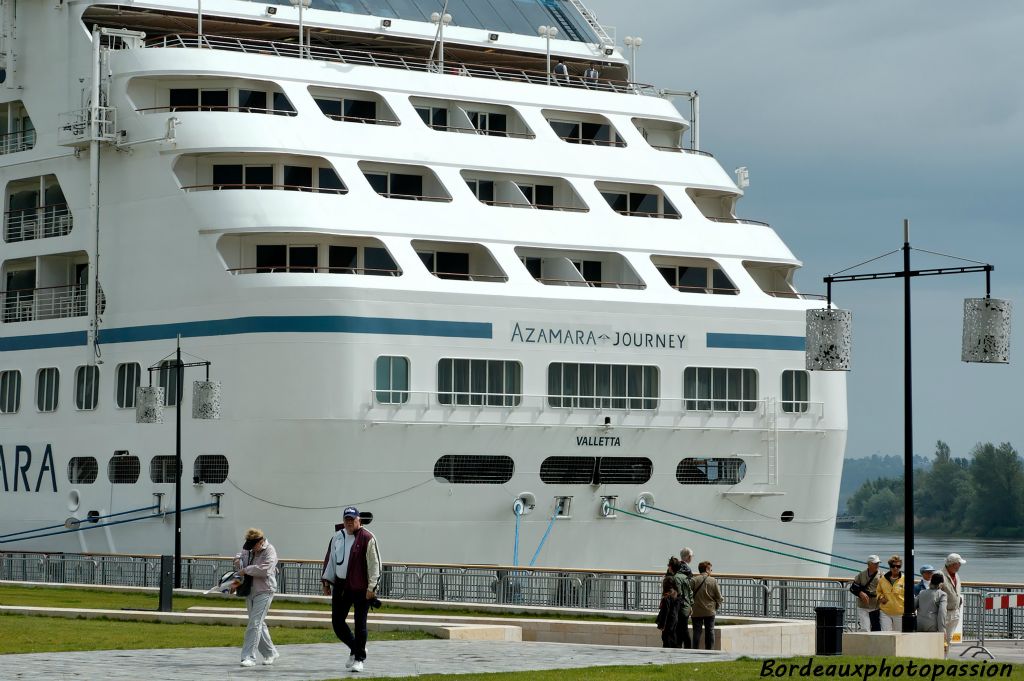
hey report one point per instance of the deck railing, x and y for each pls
(279, 269)
(40, 222)
(739, 221)
(20, 140)
(230, 109)
(263, 186)
(535, 206)
(395, 61)
(52, 302)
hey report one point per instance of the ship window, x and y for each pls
(83, 470)
(711, 471)
(602, 386)
(87, 387)
(213, 100)
(282, 105)
(396, 185)
(212, 468)
(343, 259)
(128, 376)
(590, 269)
(533, 266)
(252, 101)
(10, 391)
(640, 204)
(391, 380)
(328, 181)
(577, 132)
(271, 257)
(703, 278)
(378, 261)
(123, 469)
(47, 388)
(446, 265)
(298, 177)
(719, 389)
(434, 116)
(184, 99)
(329, 107)
(489, 123)
(479, 382)
(162, 469)
(539, 195)
(795, 390)
(474, 469)
(590, 470)
(168, 377)
(482, 190)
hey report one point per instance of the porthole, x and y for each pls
(787, 516)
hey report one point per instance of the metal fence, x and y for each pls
(634, 592)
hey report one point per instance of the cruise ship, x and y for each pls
(445, 261)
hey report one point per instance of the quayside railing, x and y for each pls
(395, 61)
(546, 587)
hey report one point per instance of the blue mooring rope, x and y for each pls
(91, 526)
(99, 517)
(558, 507)
(515, 547)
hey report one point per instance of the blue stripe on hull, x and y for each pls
(239, 325)
(749, 341)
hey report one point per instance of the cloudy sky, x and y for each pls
(852, 116)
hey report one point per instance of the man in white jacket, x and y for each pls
(954, 593)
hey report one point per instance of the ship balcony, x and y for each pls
(17, 133)
(634, 200)
(579, 128)
(258, 172)
(41, 222)
(524, 191)
(52, 302)
(304, 253)
(472, 118)
(553, 267)
(21, 140)
(395, 405)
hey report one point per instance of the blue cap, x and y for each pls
(927, 568)
(350, 512)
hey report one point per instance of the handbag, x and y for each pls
(245, 588)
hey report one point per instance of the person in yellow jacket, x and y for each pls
(890, 596)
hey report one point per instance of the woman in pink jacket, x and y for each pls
(258, 560)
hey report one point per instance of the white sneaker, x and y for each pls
(351, 661)
(357, 666)
(248, 663)
(272, 659)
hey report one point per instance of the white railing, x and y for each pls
(592, 21)
(395, 61)
(457, 407)
(41, 222)
(77, 128)
(54, 302)
(22, 140)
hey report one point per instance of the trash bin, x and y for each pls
(828, 630)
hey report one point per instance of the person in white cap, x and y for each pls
(865, 588)
(954, 594)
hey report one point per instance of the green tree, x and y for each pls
(884, 509)
(996, 507)
(942, 493)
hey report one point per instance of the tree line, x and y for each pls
(981, 495)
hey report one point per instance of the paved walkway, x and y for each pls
(320, 661)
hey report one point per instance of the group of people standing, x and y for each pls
(351, 576)
(687, 597)
(881, 597)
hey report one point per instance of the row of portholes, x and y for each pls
(125, 469)
(461, 469)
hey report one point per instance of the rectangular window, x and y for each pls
(213, 100)
(434, 116)
(719, 389)
(297, 178)
(482, 189)
(128, 376)
(252, 101)
(87, 386)
(391, 380)
(271, 258)
(343, 259)
(47, 388)
(795, 391)
(378, 262)
(282, 106)
(330, 107)
(479, 382)
(228, 176)
(259, 177)
(602, 386)
(184, 99)
(303, 258)
(360, 111)
(328, 181)
(10, 391)
(169, 382)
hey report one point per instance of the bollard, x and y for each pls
(166, 583)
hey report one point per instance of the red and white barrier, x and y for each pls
(1004, 601)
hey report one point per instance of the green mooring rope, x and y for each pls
(733, 541)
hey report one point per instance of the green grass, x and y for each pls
(741, 670)
(42, 596)
(32, 634)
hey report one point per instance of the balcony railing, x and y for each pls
(22, 140)
(202, 107)
(364, 120)
(483, 131)
(739, 221)
(649, 214)
(277, 269)
(37, 223)
(416, 197)
(395, 61)
(796, 295)
(707, 289)
(512, 204)
(54, 302)
(269, 187)
(571, 139)
(552, 281)
(682, 150)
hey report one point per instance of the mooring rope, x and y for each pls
(93, 519)
(91, 526)
(558, 507)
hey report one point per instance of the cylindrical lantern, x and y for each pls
(206, 400)
(828, 339)
(986, 330)
(149, 404)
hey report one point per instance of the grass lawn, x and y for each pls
(117, 600)
(31, 634)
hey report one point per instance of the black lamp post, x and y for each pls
(149, 409)
(986, 339)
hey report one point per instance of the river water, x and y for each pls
(988, 560)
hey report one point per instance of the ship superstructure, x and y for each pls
(436, 280)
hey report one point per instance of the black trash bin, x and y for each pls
(828, 630)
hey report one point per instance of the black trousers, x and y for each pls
(683, 632)
(343, 600)
(708, 624)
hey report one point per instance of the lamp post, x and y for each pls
(301, 4)
(986, 339)
(441, 20)
(548, 32)
(149, 403)
(633, 43)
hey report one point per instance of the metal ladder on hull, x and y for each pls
(771, 438)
